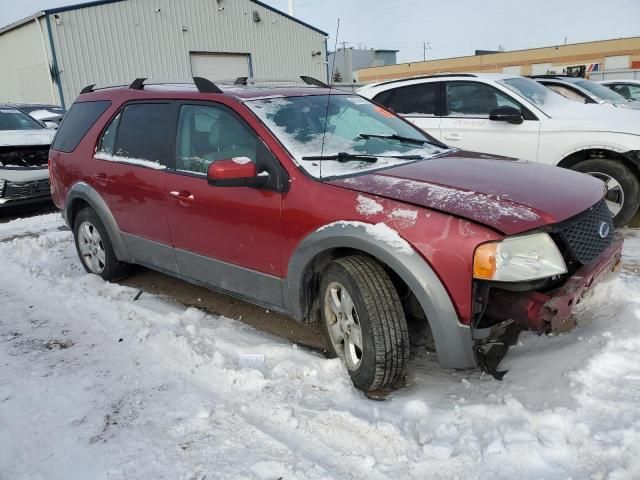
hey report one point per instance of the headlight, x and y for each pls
(516, 259)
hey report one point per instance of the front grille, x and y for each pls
(35, 156)
(582, 235)
(14, 190)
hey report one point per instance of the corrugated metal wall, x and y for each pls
(115, 43)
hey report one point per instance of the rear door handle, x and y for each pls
(452, 136)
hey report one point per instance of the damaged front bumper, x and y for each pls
(511, 312)
(19, 186)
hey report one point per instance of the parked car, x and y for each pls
(517, 117)
(584, 91)
(629, 89)
(24, 147)
(326, 207)
(49, 115)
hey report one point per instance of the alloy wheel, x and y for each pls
(343, 325)
(91, 247)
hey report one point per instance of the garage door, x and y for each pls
(219, 66)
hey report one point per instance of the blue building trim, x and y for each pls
(78, 6)
(54, 61)
(294, 19)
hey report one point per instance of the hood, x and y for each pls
(595, 117)
(510, 196)
(23, 138)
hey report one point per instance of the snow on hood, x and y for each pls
(10, 138)
(507, 195)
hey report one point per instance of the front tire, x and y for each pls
(364, 322)
(94, 247)
(623, 187)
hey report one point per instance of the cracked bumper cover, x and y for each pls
(547, 312)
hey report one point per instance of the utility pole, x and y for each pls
(425, 46)
(344, 56)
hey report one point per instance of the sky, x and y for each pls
(450, 28)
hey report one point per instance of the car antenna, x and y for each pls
(326, 115)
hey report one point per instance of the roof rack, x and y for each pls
(138, 84)
(421, 77)
(202, 84)
(314, 82)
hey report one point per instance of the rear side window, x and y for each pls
(144, 132)
(77, 122)
(418, 99)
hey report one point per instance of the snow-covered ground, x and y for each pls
(95, 385)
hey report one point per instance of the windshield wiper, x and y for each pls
(399, 138)
(348, 157)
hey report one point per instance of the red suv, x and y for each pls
(324, 206)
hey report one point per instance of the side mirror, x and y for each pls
(51, 125)
(506, 114)
(235, 172)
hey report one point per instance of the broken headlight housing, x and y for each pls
(517, 259)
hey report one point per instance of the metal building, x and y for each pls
(51, 55)
(345, 61)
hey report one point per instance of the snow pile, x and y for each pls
(95, 385)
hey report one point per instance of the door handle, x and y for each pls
(182, 195)
(452, 136)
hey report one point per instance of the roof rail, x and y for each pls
(421, 77)
(241, 81)
(87, 89)
(551, 75)
(138, 84)
(206, 86)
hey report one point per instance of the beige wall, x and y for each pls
(25, 68)
(561, 55)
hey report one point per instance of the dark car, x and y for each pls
(326, 207)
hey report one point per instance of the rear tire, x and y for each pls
(623, 187)
(94, 247)
(364, 322)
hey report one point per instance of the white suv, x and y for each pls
(517, 117)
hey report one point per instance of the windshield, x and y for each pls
(354, 126)
(601, 92)
(550, 102)
(14, 119)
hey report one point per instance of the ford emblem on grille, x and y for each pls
(604, 230)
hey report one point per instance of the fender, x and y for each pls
(86, 192)
(453, 341)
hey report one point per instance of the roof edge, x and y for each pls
(286, 15)
(78, 6)
(19, 23)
